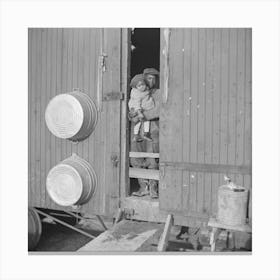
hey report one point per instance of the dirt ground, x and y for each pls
(58, 238)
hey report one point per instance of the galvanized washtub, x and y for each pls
(71, 182)
(71, 116)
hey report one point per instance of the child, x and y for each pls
(140, 100)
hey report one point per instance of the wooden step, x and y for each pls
(144, 173)
(143, 155)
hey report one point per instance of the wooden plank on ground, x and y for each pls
(126, 236)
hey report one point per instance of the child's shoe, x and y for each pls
(137, 138)
(147, 136)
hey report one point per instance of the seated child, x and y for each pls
(140, 100)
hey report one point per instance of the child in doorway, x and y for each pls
(140, 100)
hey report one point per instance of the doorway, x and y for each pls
(145, 53)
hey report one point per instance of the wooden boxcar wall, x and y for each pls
(205, 121)
(60, 60)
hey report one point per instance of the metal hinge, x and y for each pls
(113, 96)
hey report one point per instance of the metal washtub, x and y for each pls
(71, 182)
(71, 116)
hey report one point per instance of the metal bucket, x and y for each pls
(34, 228)
(71, 116)
(71, 182)
(232, 206)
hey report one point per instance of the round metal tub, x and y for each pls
(71, 182)
(71, 116)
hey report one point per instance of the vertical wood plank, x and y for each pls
(38, 116)
(48, 98)
(32, 72)
(43, 94)
(64, 73)
(232, 97)
(186, 125)
(240, 102)
(248, 99)
(208, 122)
(215, 186)
(125, 77)
(75, 71)
(53, 39)
(80, 74)
(86, 78)
(96, 146)
(193, 115)
(70, 56)
(217, 81)
(172, 117)
(29, 116)
(248, 112)
(58, 85)
(224, 96)
(216, 105)
(240, 96)
(202, 48)
(112, 137)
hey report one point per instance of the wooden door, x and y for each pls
(59, 61)
(205, 118)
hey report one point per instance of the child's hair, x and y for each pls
(136, 79)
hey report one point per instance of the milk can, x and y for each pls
(232, 204)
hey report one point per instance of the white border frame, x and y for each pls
(17, 16)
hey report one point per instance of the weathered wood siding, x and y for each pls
(60, 60)
(205, 121)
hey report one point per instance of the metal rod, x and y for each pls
(65, 224)
(101, 222)
(82, 218)
(74, 215)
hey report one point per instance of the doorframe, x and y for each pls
(124, 135)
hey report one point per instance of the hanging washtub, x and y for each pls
(71, 182)
(71, 116)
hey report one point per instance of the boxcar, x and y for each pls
(205, 117)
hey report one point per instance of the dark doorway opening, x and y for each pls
(145, 49)
(145, 53)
